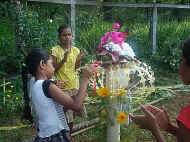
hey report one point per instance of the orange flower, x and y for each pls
(122, 117)
(103, 92)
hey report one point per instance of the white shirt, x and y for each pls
(49, 114)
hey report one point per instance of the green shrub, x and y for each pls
(170, 38)
(10, 97)
(88, 37)
(39, 30)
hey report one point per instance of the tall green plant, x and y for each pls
(90, 29)
(170, 38)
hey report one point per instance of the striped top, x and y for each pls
(49, 114)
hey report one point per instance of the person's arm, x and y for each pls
(172, 129)
(163, 119)
(157, 134)
(148, 121)
(78, 60)
(57, 65)
(67, 101)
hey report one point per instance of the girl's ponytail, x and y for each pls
(27, 108)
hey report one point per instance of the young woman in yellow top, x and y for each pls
(66, 59)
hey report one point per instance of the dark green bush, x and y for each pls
(170, 38)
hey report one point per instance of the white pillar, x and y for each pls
(154, 29)
(113, 127)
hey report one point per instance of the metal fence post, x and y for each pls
(73, 25)
(154, 28)
(4, 89)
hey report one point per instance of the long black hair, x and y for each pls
(32, 62)
(27, 110)
(35, 56)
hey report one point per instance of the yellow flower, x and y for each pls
(122, 117)
(103, 92)
(121, 92)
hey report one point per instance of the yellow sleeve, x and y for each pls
(54, 51)
(77, 51)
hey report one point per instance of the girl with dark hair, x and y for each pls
(155, 119)
(48, 100)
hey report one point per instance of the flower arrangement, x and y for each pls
(116, 82)
(113, 44)
(117, 88)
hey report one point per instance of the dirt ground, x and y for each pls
(174, 104)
